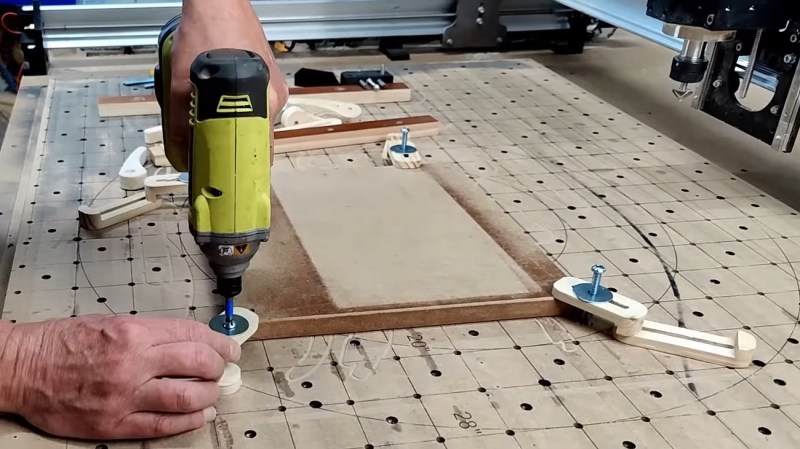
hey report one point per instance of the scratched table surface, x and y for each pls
(699, 246)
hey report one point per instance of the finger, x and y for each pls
(185, 359)
(176, 396)
(177, 331)
(157, 425)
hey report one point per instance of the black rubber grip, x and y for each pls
(230, 83)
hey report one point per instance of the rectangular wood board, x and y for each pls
(136, 105)
(355, 250)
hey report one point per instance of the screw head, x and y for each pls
(717, 84)
(775, 110)
(739, 46)
(793, 38)
(598, 269)
(790, 58)
(710, 19)
(449, 41)
(479, 21)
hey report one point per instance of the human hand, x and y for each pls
(207, 25)
(100, 377)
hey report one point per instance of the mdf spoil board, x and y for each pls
(584, 181)
(376, 248)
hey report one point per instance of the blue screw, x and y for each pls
(597, 273)
(404, 133)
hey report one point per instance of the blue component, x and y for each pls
(138, 81)
(586, 292)
(229, 308)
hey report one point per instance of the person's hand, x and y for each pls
(210, 24)
(102, 377)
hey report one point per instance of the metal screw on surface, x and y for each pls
(449, 41)
(479, 21)
(775, 110)
(404, 136)
(597, 274)
(372, 84)
(710, 19)
(790, 58)
(383, 69)
(499, 40)
(717, 84)
(739, 46)
(481, 9)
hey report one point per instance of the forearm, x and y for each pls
(8, 362)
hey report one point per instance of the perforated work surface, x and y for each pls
(591, 185)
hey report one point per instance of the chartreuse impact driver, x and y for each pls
(228, 161)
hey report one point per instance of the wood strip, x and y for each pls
(437, 315)
(358, 133)
(128, 106)
(133, 105)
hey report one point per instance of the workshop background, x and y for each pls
(720, 205)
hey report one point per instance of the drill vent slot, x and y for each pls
(212, 192)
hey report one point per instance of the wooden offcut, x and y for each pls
(134, 105)
(364, 249)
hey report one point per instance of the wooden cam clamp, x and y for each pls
(631, 327)
(401, 152)
(98, 218)
(231, 379)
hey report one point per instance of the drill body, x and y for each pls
(228, 159)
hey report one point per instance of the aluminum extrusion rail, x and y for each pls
(138, 24)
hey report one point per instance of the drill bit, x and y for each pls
(229, 322)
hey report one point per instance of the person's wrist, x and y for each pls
(8, 354)
(226, 5)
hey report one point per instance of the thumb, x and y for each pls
(157, 425)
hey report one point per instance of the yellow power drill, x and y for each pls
(228, 163)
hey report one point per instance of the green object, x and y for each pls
(229, 156)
